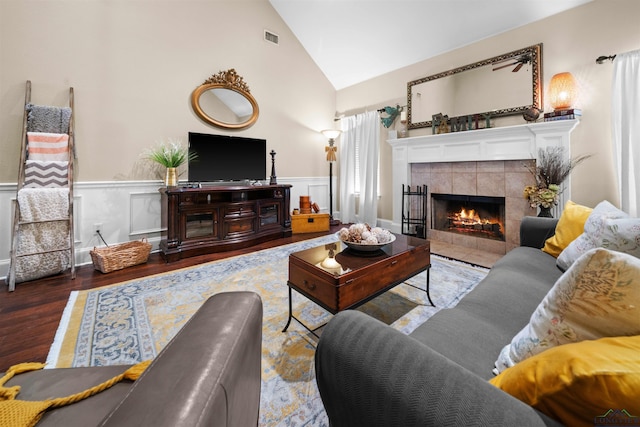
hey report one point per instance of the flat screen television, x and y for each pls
(227, 158)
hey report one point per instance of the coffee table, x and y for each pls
(355, 277)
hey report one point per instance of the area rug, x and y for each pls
(132, 321)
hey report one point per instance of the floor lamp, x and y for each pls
(331, 157)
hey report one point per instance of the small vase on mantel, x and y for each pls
(171, 177)
(545, 212)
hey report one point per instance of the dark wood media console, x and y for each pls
(197, 221)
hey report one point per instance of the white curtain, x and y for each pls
(358, 157)
(625, 124)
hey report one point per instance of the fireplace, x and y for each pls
(487, 162)
(476, 216)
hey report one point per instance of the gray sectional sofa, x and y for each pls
(207, 375)
(369, 374)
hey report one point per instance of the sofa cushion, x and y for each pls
(594, 229)
(369, 374)
(473, 332)
(570, 226)
(579, 382)
(599, 296)
(50, 383)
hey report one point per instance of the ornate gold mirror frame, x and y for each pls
(449, 88)
(224, 100)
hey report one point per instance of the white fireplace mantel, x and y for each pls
(501, 143)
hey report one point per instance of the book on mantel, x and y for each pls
(572, 113)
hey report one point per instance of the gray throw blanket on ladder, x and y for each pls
(43, 118)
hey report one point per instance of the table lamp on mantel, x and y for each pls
(562, 91)
(331, 149)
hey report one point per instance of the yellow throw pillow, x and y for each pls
(570, 226)
(581, 384)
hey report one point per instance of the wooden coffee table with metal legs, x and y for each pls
(338, 278)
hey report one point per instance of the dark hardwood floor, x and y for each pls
(29, 316)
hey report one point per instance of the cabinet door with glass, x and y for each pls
(201, 225)
(270, 214)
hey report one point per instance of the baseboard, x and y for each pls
(83, 256)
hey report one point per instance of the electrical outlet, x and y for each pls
(97, 228)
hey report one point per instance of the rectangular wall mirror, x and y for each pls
(500, 86)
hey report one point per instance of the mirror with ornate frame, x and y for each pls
(504, 85)
(224, 100)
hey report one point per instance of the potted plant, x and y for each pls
(550, 171)
(171, 155)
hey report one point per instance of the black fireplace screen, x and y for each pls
(478, 216)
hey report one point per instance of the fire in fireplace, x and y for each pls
(479, 216)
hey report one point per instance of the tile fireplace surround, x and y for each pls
(486, 162)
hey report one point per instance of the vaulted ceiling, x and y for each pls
(356, 40)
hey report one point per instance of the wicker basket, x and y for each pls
(120, 256)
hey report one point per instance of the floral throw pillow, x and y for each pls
(599, 296)
(622, 235)
(592, 237)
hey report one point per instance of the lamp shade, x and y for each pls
(331, 133)
(562, 91)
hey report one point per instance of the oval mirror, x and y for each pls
(224, 100)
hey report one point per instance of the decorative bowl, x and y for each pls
(366, 248)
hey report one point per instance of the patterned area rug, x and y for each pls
(132, 321)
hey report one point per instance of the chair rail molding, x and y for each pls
(127, 210)
(520, 142)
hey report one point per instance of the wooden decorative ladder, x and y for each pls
(27, 269)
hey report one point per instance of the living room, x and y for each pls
(117, 71)
(133, 66)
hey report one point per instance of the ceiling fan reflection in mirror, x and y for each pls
(518, 62)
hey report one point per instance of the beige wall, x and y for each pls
(133, 65)
(572, 41)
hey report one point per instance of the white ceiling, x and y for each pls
(355, 40)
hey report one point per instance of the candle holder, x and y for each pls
(273, 180)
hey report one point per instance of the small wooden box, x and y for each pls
(309, 223)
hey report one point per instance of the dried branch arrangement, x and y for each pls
(552, 167)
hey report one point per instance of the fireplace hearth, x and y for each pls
(477, 216)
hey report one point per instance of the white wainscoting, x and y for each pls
(128, 210)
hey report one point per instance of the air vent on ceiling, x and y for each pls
(271, 37)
